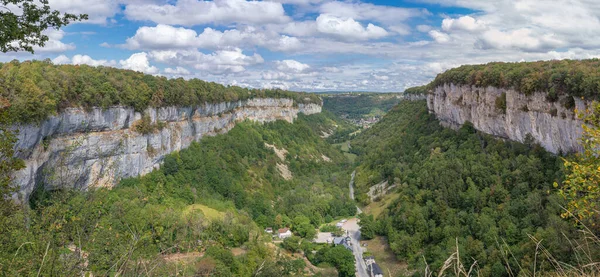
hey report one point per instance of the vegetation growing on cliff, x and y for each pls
(417, 90)
(216, 195)
(579, 78)
(491, 195)
(37, 89)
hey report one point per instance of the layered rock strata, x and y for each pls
(96, 148)
(509, 114)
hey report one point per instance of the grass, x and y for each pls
(375, 112)
(210, 213)
(376, 208)
(346, 150)
(385, 258)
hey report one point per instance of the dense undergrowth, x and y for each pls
(492, 198)
(37, 89)
(216, 195)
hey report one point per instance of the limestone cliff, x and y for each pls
(553, 124)
(82, 149)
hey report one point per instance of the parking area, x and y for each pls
(324, 237)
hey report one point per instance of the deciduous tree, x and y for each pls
(23, 22)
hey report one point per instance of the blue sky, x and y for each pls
(319, 45)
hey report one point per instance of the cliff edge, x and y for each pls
(97, 147)
(510, 114)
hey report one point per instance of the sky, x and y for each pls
(319, 45)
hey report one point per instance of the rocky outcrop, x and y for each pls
(90, 148)
(413, 97)
(552, 124)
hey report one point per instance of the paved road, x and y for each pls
(354, 233)
(351, 186)
(351, 226)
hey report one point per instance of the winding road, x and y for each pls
(353, 230)
(351, 185)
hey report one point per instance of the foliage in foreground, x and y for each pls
(581, 187)
(495, 197)
(128, 230)
(23, 31)
(338, 256)
(37, 89)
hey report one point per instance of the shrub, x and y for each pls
(145, 126)
(569, 103)
(501, 102)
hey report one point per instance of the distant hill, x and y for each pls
(355, 106)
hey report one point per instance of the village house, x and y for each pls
(343, 241)
(284, 233)
(373, 268)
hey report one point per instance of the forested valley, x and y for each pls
(116, 160)
(459, 202)
(204, 212)
(492, 201)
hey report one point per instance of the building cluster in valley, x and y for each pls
(364, 123)
(282, 233)
(373, 269)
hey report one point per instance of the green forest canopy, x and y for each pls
(360, 106)
(489, 194)
(579, 78)
(235, 175)
(37, 89)
(417, 90)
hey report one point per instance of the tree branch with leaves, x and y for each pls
(581, 187)
(22, 23)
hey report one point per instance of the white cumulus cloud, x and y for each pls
(521, 39)
(194, 12)
(177, 71)
(439, 37)
(54, 43)
(139, 62)
(162, 37)
(465, 23)
(83, 59)
(348, 28)
(219, 62)
(366, 11)
(291, 66)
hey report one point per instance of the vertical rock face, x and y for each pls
(414, 97)
(553, 124)
(81, 149)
